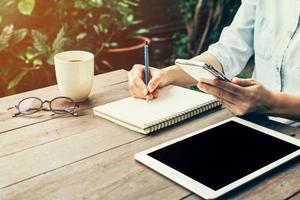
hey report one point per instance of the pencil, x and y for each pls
(146, 57)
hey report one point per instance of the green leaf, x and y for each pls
(13, 83)
(97, 29)
(124, 9)
(26, 6)
(39, 41)
(50, 59)
(127, 20)
(37, 63)
(132, 3)
(141, 31)
(87, 4)
(137, 22)
(30, 54)
(60, 41)
(6, 3)
(98, 2)
(80, 5)
(81, 36)
(18, 36)
(5, 36)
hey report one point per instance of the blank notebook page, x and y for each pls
(172, 100)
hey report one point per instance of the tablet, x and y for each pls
(215, 160)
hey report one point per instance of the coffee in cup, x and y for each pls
(74, 72)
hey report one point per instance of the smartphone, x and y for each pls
(200, 70)
(215, 72)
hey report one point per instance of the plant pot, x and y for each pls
(124, 57)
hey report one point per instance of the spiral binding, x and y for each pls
(173, 119)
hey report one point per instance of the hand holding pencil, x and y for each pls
(145, 80)
(137, 86)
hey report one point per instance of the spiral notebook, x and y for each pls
(173, 105)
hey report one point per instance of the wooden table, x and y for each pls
(87, 157)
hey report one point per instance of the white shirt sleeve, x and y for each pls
(235, 46)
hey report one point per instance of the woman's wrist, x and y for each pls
(176, 76)
(169, 74)
(277, 103)
(286, 105)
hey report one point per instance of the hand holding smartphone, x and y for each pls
(200, 70)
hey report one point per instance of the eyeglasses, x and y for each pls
(58, 105)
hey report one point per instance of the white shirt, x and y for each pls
(269, 29)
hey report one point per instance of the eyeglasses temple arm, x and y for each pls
(16, 114)
(12, 107)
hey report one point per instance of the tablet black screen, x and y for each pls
(224, 154)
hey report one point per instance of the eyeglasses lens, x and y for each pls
(30, 105)
(62, 105)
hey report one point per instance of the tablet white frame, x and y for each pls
(201, 189)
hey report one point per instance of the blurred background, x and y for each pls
(33, 31)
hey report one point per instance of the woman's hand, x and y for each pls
(241, 96)
(137, 86)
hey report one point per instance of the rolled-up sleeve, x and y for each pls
(235, 46)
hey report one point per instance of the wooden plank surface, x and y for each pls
(40, 148)
(110, 174)
(91, 158)
(44, 132)
(9, 123)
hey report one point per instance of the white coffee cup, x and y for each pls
(74, 74)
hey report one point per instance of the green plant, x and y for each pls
(33, 31)
(204, 20)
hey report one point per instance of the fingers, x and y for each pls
(137, 86)
(236, 110)
(217, 92)
(137, 78)
(156, 79)
(234, 96)
(150, 96)
(208, 80)
(138, 71)
(229, 106)
(135, 91)
(229, 87)
(155, 94)
(140, 85)
(244, 82)
(153, 84)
